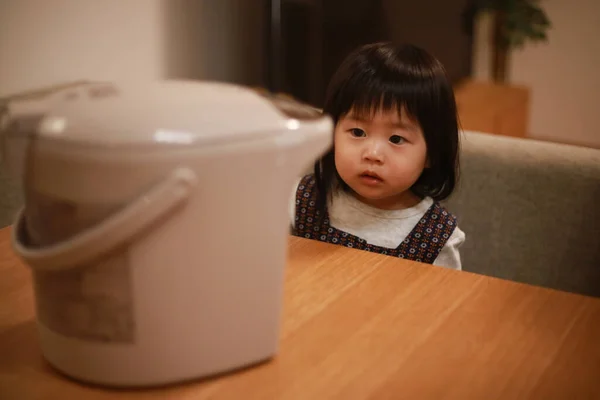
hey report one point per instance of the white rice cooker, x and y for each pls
(155, 223)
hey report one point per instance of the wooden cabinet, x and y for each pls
(493, 108)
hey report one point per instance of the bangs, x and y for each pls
(381, 77)
(365, 95)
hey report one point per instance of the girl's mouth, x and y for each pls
(370, 178)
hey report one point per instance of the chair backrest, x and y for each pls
(530, 211)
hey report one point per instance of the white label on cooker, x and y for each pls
(90, 302)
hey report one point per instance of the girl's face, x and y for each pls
(380, 158)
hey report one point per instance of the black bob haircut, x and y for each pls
(382, 76)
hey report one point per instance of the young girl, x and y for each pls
(395, 155)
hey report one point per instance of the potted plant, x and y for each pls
(515, 22)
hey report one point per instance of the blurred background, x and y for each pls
(550, 89)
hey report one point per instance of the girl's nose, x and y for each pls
(373, 153)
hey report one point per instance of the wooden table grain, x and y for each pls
(363, 326)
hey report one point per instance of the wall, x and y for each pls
(43, 42)
(221, 40)
(562, 74)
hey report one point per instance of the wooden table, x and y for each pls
(359, 325)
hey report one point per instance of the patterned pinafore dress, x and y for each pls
(423, 243)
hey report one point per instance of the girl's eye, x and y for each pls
(397, 139)
(357, 132)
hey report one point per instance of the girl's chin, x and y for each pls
(386, 201)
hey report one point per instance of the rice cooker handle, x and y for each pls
(118, 228)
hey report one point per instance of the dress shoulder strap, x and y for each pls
(429, 236)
